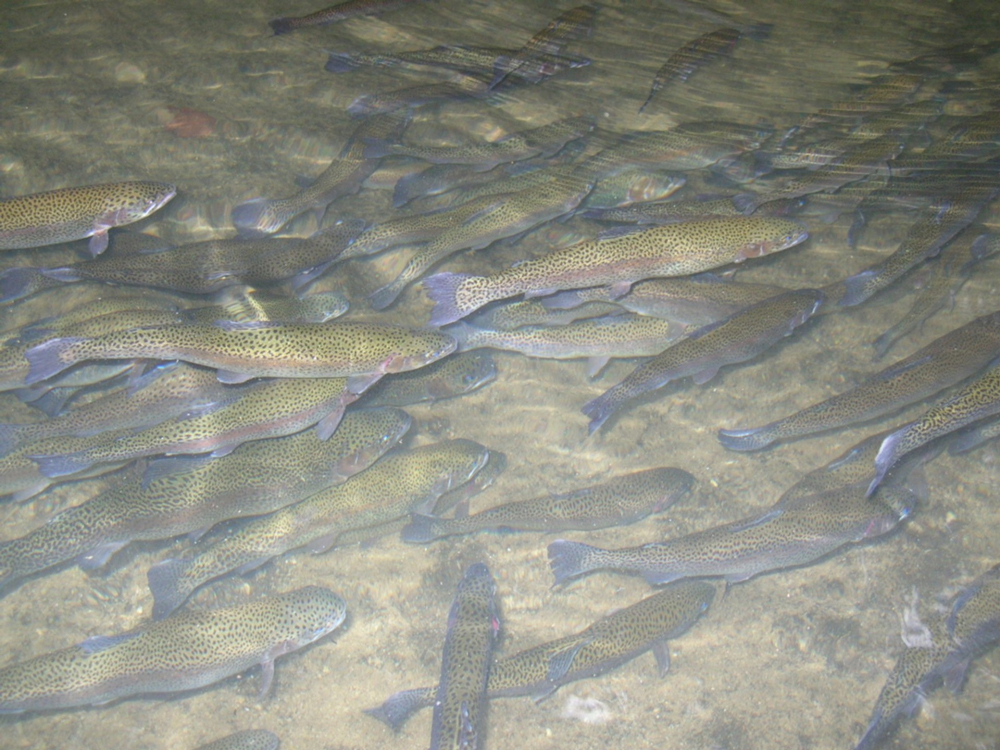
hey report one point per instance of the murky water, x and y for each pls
(202, 96)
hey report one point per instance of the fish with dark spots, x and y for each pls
(617, 260)
(241, 351)
(260, 217)
(248, 739)
(77, 213)
(738, 338)
(881, 93)
(189, 651)
(336, 13)
(617, 502)
(394, 486)
(976, 401)
(190, 495)
(473, 629)
(792, 533)
(261, 307)
(533, 312)
(615, 639)
(206, 267)
(450, 377)
(505, 215)
(669, 212)
(944, 362)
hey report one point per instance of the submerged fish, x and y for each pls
(241, 351)
(396, 485)
(942, 363)
(261, 307)
(447, 378)
(668, 212)
(505, 215)
(473, 627)
(190, 495)
(248, 739)
(617, 260)
(738, 338)
(189, 651)
(617, 502)
(337, 12)
(610, 642)
(793, 533)
(76, 213)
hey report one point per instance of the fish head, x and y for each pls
(786, 234)
(142, 199)
(425, 347)
(310, 613)
(482, 370)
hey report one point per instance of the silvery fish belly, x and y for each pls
(189, 651)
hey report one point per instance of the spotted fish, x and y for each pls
(795, 532)
(241, 351)
(738, 338)
(447, 378)
(189, 651)
(473, 627)
(262, 307)
(693, 55)
(190, 495)
(248, 739)
(76, 213)
(619, 501)
(607, 644)
(396, 485)
(618, 260)
(944, 362)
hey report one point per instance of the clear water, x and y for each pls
(793, 659)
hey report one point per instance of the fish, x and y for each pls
(738, 338)
(575, 23)
(691, 301)
(189, 651)
(543, 141)
(76, 213)
(944, 362)
(149, 400)
(880, 94)
(473, 629)
(259, 217)
(617, 260)
(976, 401)
(505, 215)
(240, 351)
(390, 102)
(973, 624)
(248, 739)
(394, 486)
(257, 411)
(793, 533)
(533, 312)
(668, 212)
(619, 501)
(459, 497)
(206, 267)
(597, 339)
(452, 376)
(176, 496)
(611, 641)
(337, 12)
(630, 186)
(262, 307)
(973, 437)
(693, 55)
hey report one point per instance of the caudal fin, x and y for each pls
(282, 25)
(753, 439)
(442, 288)
(165, 585)
(400, 706)
(384, 296)
(571, 559)
(420, 529)
(599, 410)
(257, 218)
(339, 62)
(50, 358)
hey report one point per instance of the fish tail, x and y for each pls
(745, 203)
(443, 288)
(50, 358)
(165, 585)
(16, 283)
(422, 528)
(257, 218)
(376, 148)
(398, 707)
(62, 465)
(571, 559)
(339, 62)
(753, 439)
(283, 25)
(855, 286)
(599, 410)
(384, 296)
(9, 438)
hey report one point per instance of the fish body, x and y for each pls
(248, 739)
(505, 215)
(247, 350)
(192, 650)
(693, 55)
(882, 93)
(206, 267)
(447, 378)
(533, 312)
(389, 102)
(255, 411)
(669, 212)
(944, 362)
(473, 627)
(69, 214)
(608, 643)
(619, 261)
(978, 400)
(622, 500)
(738, 338)
(793, 533)
(261, 307)
(396, 485)
(190, 495)
(336, 13)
